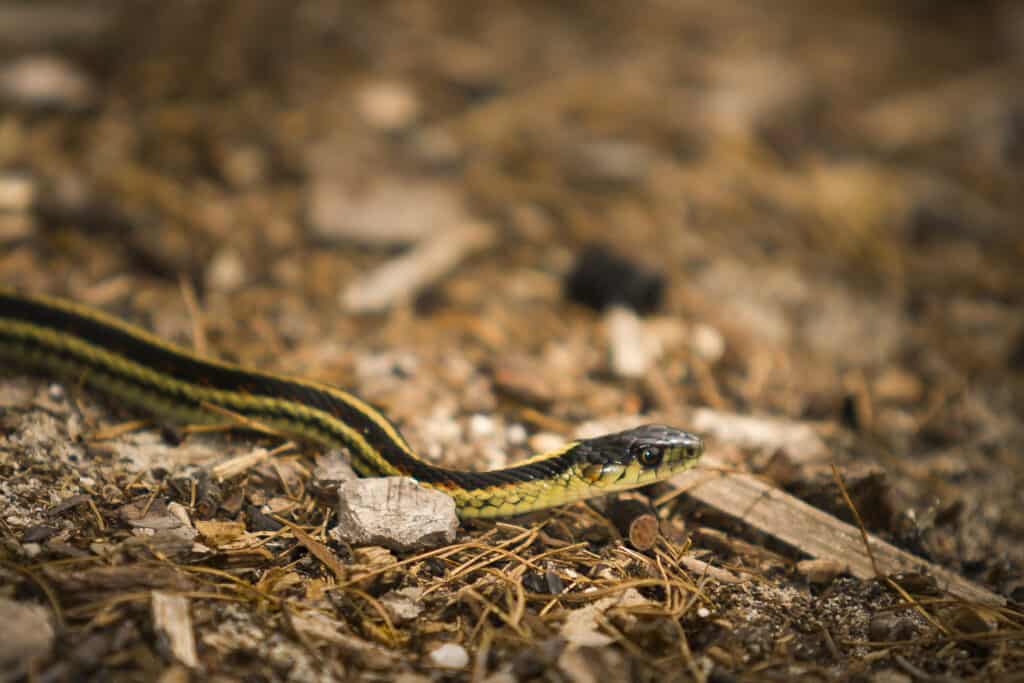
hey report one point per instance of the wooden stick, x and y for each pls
(813, 531)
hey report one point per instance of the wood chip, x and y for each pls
(399, 280)
(814, 532)
(173, 623)
(315, 625)
(218, 533)
(635, 519)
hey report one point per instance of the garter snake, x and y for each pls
(128, 363)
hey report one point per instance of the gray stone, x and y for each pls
(26, 634)
(394, 512)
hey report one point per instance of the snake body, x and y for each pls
(129, 364)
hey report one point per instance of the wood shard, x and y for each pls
(173, 622)
(815, 532)
(400, 279)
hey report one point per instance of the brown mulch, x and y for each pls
(831, 192)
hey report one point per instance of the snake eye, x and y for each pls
(649, 456)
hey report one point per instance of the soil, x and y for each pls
(829, 193)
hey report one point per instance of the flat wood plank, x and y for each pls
(813, 531)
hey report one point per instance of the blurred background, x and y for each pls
(821, 202)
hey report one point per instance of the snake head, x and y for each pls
(637, 457)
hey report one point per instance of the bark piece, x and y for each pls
(172, 620)
(815, 532)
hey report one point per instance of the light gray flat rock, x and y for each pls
(394, 512)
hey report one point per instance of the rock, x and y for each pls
(26, 635)
(610, 162)
(332, 469)
(403, 604)
(450, 656)
(582, 626)
(601, 278)
(17, 192)
(389, 106)
(888, 627)
(632, 352)
(226, 271)
(394, 512)
(708, 343)
(45, 82)
(820, 570)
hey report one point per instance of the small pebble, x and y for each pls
(887, 627)
(708, 343)
(17, 192)
(403, 604)
(481, 426)
(450, 656)
(333, 468)
(820, 570)
(389, 106)
(45, 82)
(226, 271)
(632, 352)
(516, 434)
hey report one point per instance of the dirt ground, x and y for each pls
(831, 192)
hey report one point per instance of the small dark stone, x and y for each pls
(259, 521)
(534, 582)
(172, 436)
(434, 566)
(889, 627)
(601, 278)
